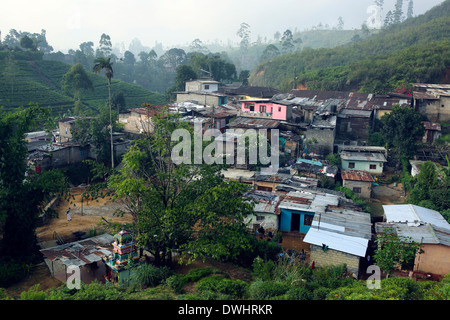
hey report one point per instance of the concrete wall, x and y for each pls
(278, 111)
(210, 100)
(325, 140)
(363, 166)
(269, 221)
(334, 258)
(435, 259)
(366, 188)
(434, 110)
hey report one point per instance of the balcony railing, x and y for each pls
(254, 114)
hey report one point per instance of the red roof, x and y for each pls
(355, 175)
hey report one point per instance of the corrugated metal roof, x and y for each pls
(414, 215)
(336, 241)
(432, 125)
(254, 123)
(356, 175)
(81, 252)
(362, 156)
(310, 201)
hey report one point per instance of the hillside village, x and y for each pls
(321, 225)
(356, 188)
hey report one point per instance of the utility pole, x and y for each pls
(294, 84)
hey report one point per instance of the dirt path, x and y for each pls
(84, 218)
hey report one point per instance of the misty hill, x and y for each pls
(25, 78)
(419, 44)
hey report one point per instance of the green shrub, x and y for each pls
(263, 290)
(263, 270)
(227, 288)
(147, 275)
(177, 283)
(33, 294)
(299, 293)
(11, 271)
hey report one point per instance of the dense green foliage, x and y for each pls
(430, 188)
(273, 280)
(27, 78)
(366, 65)
(22, 198)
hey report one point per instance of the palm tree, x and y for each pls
(102, 63)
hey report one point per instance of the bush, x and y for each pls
(263, 290)
(11, 271)
(177, 283)
(263, 270)
(299, 293)
(33, 294)
(227, 288)
(147, 275)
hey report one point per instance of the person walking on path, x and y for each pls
(68, 215)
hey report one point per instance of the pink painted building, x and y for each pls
(265, 108)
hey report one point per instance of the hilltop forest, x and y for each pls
(402, 51)
(415, 50)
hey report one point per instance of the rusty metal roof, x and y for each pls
(356, 175)
(430, 91)
(436, 126)
(81, 252)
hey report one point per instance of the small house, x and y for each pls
(432, 101)
(264, 211)
(371, 162)
(360, 182)
(425, 226)
(297, 209)
(340, 236)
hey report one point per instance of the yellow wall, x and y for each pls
(435, 259)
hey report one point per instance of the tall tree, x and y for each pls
(398, 12)
(22, 198)
(105, 46)
(180, 206)
(401, 129)
(287, 42)
(409, 13)
(106, 64)
(77, 79)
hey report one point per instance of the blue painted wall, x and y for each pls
(286, 218)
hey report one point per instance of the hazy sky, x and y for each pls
(177, 22)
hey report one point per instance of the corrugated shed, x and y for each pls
(81, 252)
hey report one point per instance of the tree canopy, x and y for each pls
(177, 207)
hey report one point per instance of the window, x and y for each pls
(308, 219)
(279, 109)
(351, 165)
(262, 108)
(260, 218)
(356, 190)
(206, 86)
(373, 167)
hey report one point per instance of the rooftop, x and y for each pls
(254, 123)
(81, 252)
(342, 230)
(362, 156)
(414, 215)
(356, 175)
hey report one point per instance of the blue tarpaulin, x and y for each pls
(317, 163)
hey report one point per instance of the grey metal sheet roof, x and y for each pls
(81, 252)
(362, 156)
(414, 215)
